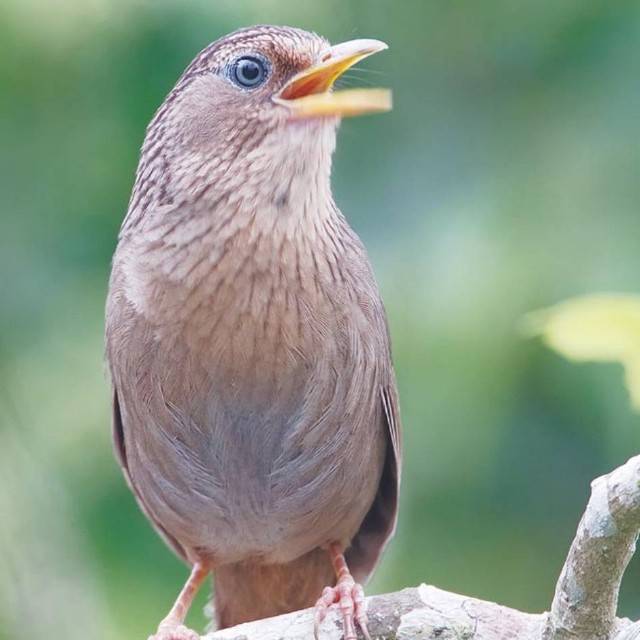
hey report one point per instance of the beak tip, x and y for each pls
(371, 45)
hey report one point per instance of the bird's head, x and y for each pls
(277, 75)
(254, 110)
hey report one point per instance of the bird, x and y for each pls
(255, 408)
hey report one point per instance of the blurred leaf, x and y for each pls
(600, 328)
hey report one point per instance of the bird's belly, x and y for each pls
(234, 481)
(280, 511)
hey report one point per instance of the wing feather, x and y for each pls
(380, 522)
(119, 443)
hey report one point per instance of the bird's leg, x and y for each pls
(172, 626)
(347, 593)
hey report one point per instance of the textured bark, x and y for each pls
(583, 608)
(586, 597)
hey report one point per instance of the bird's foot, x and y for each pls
(174, 630)
(350, 598)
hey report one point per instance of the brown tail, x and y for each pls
(250, 591)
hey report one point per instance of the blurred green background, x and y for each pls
(506, 179)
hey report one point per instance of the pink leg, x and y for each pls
(172, 626)
(347, 593)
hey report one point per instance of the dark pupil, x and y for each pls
(249, 72)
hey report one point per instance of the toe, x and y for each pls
(360, 610)
(328, 597)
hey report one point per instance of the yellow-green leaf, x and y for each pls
(602, 328)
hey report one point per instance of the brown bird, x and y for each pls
(255, 412)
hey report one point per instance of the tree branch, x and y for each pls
(418, 612)
(583, 608)
(586, 597)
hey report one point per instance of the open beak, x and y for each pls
(309, 93)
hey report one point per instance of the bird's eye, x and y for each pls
(249, 71)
